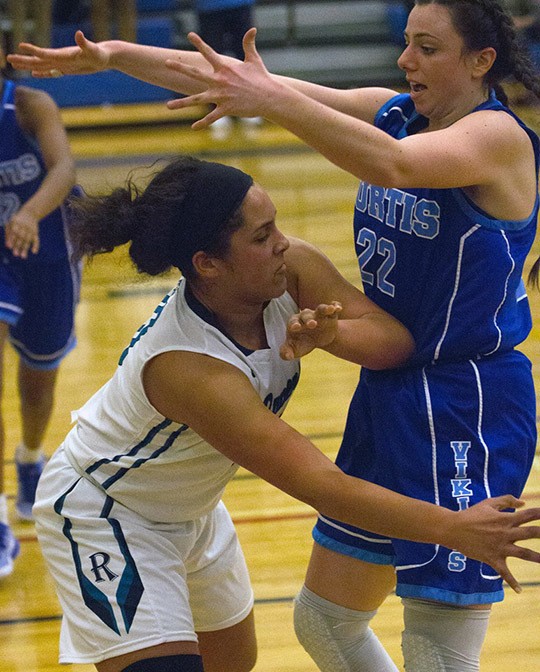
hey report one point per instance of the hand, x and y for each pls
(487, 533)
(310, 329)
(85, 58)
(22, 234)
(235, 88)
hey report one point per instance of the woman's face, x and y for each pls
(437, 66)
(254, 266)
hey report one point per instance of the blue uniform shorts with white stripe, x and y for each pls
(451, 434)
(38, 301)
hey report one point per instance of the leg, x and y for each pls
(127, 20)
(9, 546)
(443, 637)
(42, 17)
(36, 389)
(232, 649)
(17, 14)
(239, 21)
(176, 650)
(3, 336)
(101, 20)
(333, 611)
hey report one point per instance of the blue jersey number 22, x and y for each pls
(383, 248)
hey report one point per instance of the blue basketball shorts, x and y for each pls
(451, 434)
(38, 302)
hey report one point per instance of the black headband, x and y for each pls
(213, 195)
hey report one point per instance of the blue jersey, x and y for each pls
(456, 425)
(430, 257)
(22, 171)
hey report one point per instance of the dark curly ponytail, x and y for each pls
(146, 218)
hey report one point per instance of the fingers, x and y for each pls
(526, 516)
(286, 352)
(526, 554)
(248, 44)
(310, 319)
(206, 50)
(81, 41)
(507, 576)
(505, 502)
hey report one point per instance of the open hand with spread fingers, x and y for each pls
(83, 58)
(236, 88)
(489, 533)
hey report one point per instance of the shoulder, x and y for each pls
(34, 107)
(300, 258)
(25, 95)
(497, 132)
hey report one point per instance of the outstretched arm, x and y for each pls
(85, 57)
(459, 155)
(188, 388)
(158, 66)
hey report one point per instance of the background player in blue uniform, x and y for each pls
(444, 218)
(38, 283)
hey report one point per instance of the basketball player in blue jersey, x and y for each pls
(38, 283)
(128, 511)
(445, 216)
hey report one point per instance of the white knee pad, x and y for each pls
(338, 639)
(442, 638)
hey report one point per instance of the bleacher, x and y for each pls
(340, 42)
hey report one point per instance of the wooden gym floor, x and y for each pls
(314, 200)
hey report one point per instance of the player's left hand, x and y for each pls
(237, 88)
(488, 532)
(22, 234)
(310, 329)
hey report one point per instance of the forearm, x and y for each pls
(149, 64)
(375, 341)
(53, 190)
(382, 511)
(349, 143)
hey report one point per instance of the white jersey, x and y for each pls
(158, 468)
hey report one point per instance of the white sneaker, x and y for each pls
(9, 549)
(221, 128)
(251, 125)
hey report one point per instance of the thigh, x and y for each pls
(10, 294)
(347, 581)
(232, 649)
(212, 29)
(220, 589)
(121, 579)
(49, 294)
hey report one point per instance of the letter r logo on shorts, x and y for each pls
(99, 567)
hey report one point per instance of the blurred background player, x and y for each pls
(38, 283)
(223, 24)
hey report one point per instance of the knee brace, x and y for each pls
(338, 639)
(442, 638)
(180, 663)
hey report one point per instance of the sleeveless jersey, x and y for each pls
(159, 468)
(22, 171)
(430, 257)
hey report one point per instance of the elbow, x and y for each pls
(394, 355)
